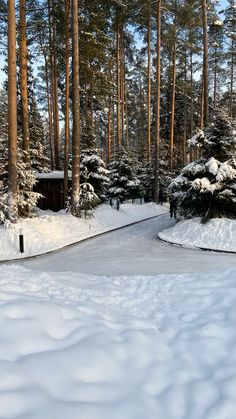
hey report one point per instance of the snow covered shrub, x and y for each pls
(206, 187)
(124, 182)
(88, 199)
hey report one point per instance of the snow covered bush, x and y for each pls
(88, 199)
(206, 187)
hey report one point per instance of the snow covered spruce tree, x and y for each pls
(124, 182)
(93, 166)
(88, 198)
(147, 180)
(38, 150)
(26, 198)
(206, 187)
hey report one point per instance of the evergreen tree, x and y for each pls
(206, 187)
(38, 152)
(92, 163)
(88, 198)
(124, 183)
(26, 199)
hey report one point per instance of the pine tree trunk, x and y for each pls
(172, 111)
(149, 87)
(215, 79)
(192, 95)
(67, 83)
(109, 133)
(12, 115)
(23, 84)
(55, 93)
(75, 111)
(185, 110)
(122, 76)
(49, 107)
(118, 83)
(126, 116)
(231, 80)
(205, 61)
(52, 88)
(158, 103)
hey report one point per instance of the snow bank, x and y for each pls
(50, 231)
(76, 346)
(217, 234)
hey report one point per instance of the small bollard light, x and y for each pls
(21, 241)
(118, 204)
(111, 203)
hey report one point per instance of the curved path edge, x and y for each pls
(80, 241)
(206, 249)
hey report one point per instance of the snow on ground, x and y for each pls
(217, 234)
(50, 231)
(77, 346)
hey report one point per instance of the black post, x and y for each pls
(133, 200)
(21, 242)
(111, 203)
(118, 204)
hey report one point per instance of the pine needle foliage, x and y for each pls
(206, 187)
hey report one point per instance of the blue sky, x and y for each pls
(222, 5)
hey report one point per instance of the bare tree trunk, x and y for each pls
(172, 117)
(75, 111)
(109, 132)
(49, 106)
(118, 82)
(126, 117)
(52, 87)
(12, 115)
(185, 110)
(149, 87)
(215, 78)
(205, 61)
(67, 83)
(113, 154)
(202, 105)
(158, 105)
(231, 80)
(23, 84)
(122, 76)
(192, 95)
(55, 94)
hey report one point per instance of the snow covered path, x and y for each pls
(134, 250)
(123, 327)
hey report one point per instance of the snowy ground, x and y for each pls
(77, 346)
(50, 231)
(217, 234)
(121, 327)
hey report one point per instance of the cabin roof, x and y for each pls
(56, 174)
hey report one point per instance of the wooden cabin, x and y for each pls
(50, 185)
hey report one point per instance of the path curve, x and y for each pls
(135, 250)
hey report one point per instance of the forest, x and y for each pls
(110, 92)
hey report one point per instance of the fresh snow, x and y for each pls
(77, 346)
(217, 234)
(51, 231)
(105, 330)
